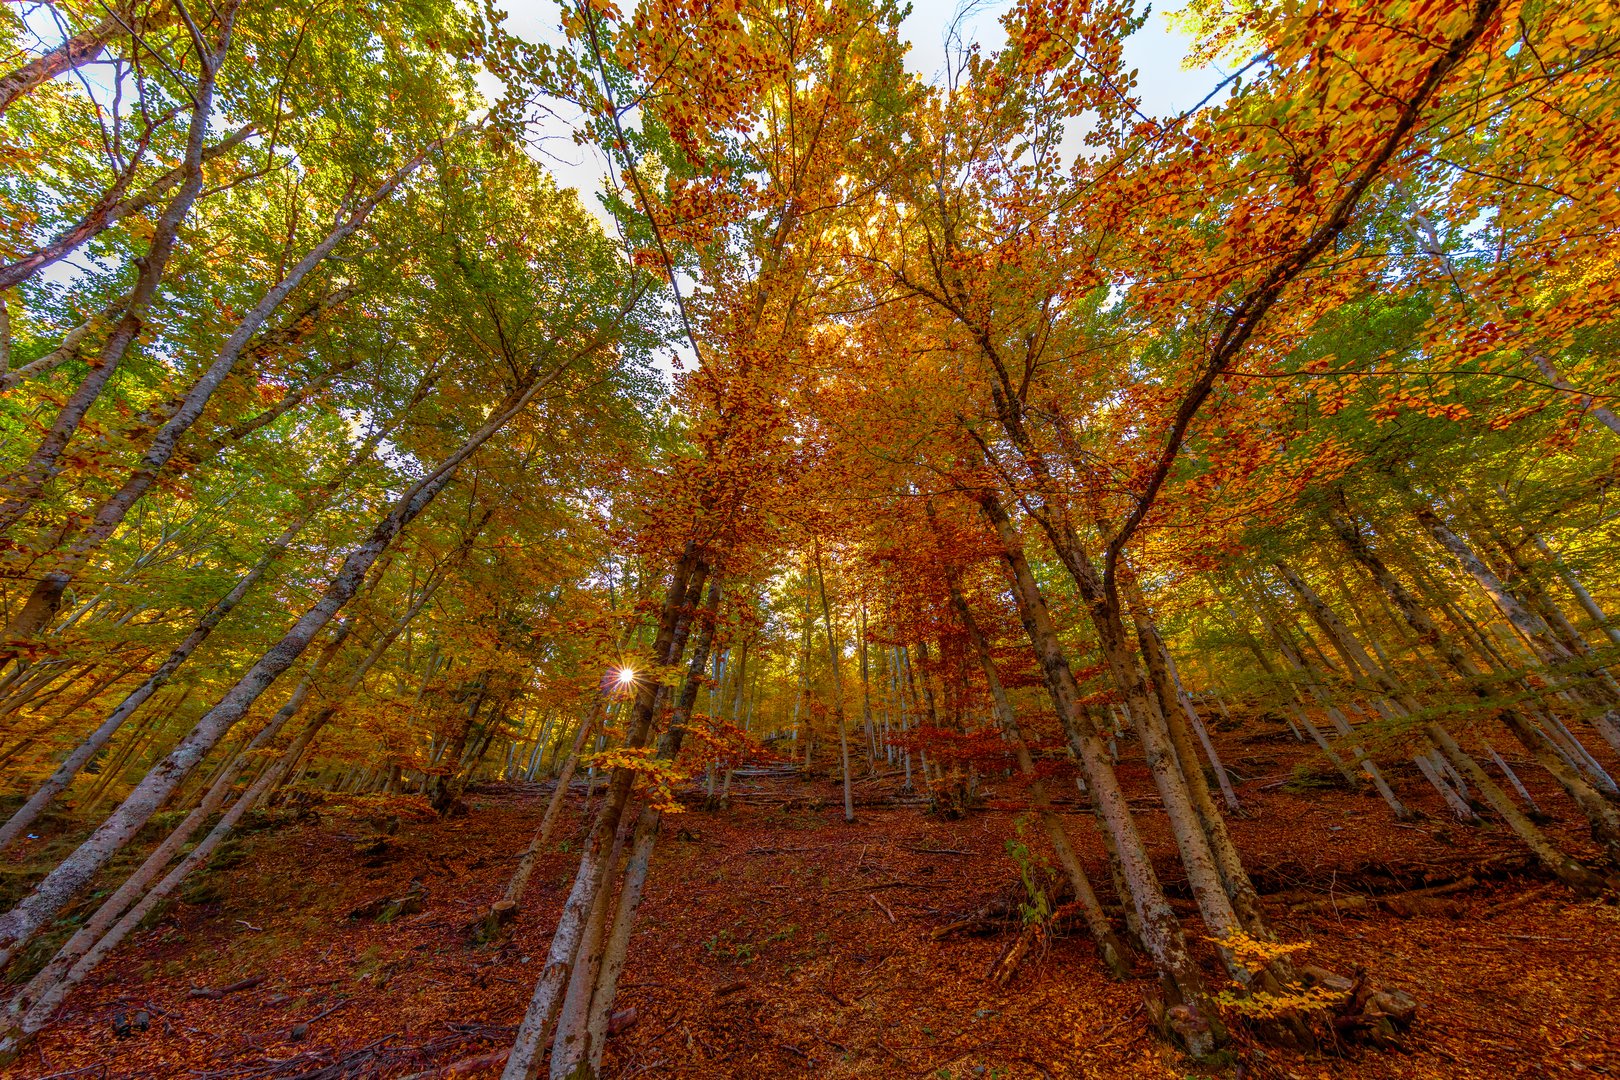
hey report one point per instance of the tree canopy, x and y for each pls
(956, 431)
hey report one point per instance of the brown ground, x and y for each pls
(777, 941)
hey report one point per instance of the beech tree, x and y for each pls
(921, 437)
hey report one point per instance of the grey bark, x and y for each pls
(534, 1033)
(78, 49)
(542, 836)
(47, 593)
(128, 893)
(86, 750)
(22, 488)
(107, 212)
(1603, 816)
(22, 922)
(1102, 931)
(833, 660)
(1160, 930)
(1568, 869)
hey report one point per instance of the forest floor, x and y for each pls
(778, 941)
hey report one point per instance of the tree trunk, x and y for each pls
(1572, 581)
(1568, 870)
(51, 997)
(86, 750)
(838, 684)
(1550, 373)
(570, 1047)
(1234, 879)
(1160, 931)
(137, 883)
(77, 50)
(866, 700)
(48, 590)
(616, 944)
(20, 924)
(1102, 932)
(1204, 865)
(542, 836)
(1603, 816)
(535, 1030)
(23, 488)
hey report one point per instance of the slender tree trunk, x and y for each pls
(22, 922)
(916, 720)
(1102, 932)
(570, 1046)
(1591, 688)
(1603, 416)
(22, 489)
(900, 694)
(137, 745)
(114, 206)
(587, 1065)
(615, 951)
(1568, 869)
(1342, 724)
(77, 50)
(1161, 933)
(1603, 816)
(39, 1014)
(138, 882)
(833, 661)
(866, 700)
(535, 1031)
(1192, 794)
(98, 927)
(1204, 865)
(48, 590)
(804, 668)
(1513, 778)
(542, 835)
(69, 348)
(1572, 581)
(92, 745)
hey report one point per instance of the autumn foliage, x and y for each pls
(931, 438)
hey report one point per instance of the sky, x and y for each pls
(1156, 52)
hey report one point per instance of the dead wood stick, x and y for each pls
(245, 984)
(1001, 972)
(1115, 1026)
(1523, 898)
(1358, 900)
(328, 1011)
(300, 1031)
(466, 1066)
(884, 885)
(987, 919)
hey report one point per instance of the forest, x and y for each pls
(972, 577)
